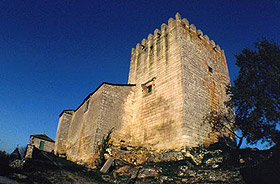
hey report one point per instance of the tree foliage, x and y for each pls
(256, 92)
(255, 95)
(223, 121)
(106, 143)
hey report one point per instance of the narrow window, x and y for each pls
(158, 35)
(143, 47)
(149, 88)
(215, 49)
(210, 69)
(42, 145)
(87, 104)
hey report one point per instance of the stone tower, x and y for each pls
(180, 76)
(176, 77)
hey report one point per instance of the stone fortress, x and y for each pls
(177, 76)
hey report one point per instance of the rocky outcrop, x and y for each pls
(171, 174)
(198, 156)
(141, 165)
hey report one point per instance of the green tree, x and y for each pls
(106, 143)
(223, 121)
(255, 94)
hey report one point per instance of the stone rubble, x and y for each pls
(17, 164)
(196, 165)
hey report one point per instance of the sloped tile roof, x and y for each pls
(42, 136)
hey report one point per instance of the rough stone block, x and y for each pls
(107, 165)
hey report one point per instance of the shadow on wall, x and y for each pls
(164, 129)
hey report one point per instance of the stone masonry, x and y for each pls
(177, 76)
(79, 131)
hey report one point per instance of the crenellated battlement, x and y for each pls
(166, 29)
(189, 72)
(178, 76)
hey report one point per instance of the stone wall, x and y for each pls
(48, 146)
(62, 132)
(100, 111)
(29, 151)
(158, 116)
(205, 76)
(177, 76)
(188, 74)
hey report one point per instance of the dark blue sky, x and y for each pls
(54, 53)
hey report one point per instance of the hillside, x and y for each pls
(199, 166)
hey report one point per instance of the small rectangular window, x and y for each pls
(149, 88)
(42, 145)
